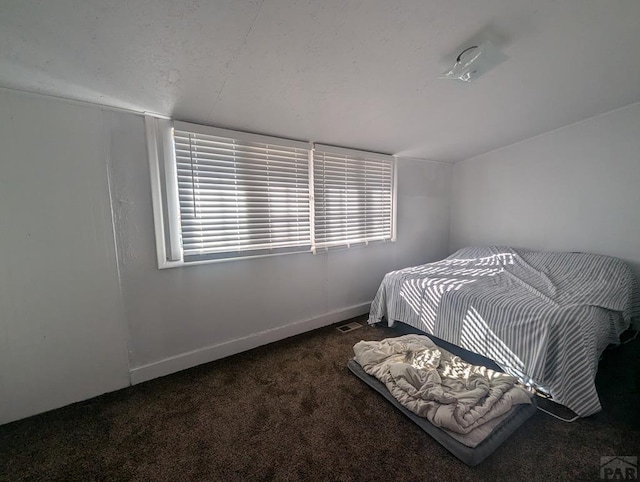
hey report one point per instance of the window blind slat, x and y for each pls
(205, 162)
(227, 218)
(243, 244)
(205, 177)
(233, 157)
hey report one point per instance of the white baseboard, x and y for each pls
(210, 353)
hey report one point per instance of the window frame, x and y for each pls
(165, 197)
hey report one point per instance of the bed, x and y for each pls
(545, 317)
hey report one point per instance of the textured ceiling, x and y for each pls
(358, 73)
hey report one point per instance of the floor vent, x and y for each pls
(349, 327)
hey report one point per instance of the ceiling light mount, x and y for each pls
(474, 61)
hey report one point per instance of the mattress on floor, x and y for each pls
(455, 443)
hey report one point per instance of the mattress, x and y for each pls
(455, 443)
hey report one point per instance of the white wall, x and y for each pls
(62, 331)
(78, 310)
(183, 316)
(574, 189)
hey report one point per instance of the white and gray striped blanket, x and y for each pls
(543, 317)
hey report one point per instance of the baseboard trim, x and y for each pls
(215, 352)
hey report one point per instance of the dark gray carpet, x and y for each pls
(293, 411)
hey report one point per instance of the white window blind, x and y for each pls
(241, 194)
(353, 196)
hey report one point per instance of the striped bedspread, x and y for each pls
(543, 317)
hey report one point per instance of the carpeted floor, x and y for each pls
(292, 411)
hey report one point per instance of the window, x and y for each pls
(221, 194)
(353, 196)
(241, 194)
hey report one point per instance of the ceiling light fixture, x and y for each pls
(474, 61)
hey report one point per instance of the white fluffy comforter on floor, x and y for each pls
(433, 383)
